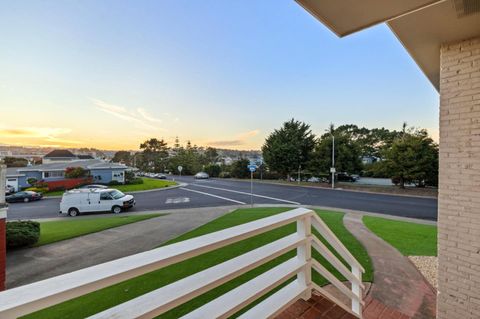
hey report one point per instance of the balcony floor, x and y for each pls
(322, 308)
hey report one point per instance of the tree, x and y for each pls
(154, 155)
(15, 161)
(189, 158)
(123, 157)
(213, 170)
(239, 169)
(412, 158)
(288, 148)
(347, 154)
(211, 155)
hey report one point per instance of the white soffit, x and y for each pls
(344, 17)
(423, 32)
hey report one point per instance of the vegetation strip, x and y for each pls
(410, 239)
(108, 297)
(148, 184)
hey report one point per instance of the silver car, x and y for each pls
(201, 175)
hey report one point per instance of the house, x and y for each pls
(102, 172)
(60, 156)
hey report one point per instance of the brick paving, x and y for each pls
(319, 307)
(316, 307)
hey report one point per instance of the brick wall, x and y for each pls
(459, 188)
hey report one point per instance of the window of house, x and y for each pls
(53, 174)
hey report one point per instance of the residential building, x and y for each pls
(101, 172)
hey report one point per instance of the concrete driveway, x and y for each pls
(33, 264)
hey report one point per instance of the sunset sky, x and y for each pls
(110, 74)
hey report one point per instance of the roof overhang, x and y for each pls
(422, 26)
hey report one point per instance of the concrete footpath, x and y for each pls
(29, 265)
(399, 289)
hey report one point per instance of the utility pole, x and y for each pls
(333, 161)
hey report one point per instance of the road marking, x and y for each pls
(177, 200)
(245, 193)
(208, 194)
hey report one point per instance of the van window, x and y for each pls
(105, 196)
(116, 194)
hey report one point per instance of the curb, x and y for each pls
(335, 189)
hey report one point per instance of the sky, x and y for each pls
(112, 73)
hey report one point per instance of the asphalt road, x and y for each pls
(221, 192)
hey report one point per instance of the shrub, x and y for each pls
(32, 181)
(37, 189)
(57, 188)
(75, 172)
(129, 177)
(224, 175)
(113, 183)
(22, 233)
(213, 170)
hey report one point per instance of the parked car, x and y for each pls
(201, 175)
(160, 176)
(79, 201)
(93, 186)
(345, 177)
(25, 197)
(9, 189)
(313, 180)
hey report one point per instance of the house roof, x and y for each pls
(85, 156)
(60, 153)
(86, 164)
(422, 26)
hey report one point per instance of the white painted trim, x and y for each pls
(3, 212)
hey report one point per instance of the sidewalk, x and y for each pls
(398, 286)
(32, 264)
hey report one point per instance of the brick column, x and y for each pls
(3, 239)
(459, 184)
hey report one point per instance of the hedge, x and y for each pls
(22, 233)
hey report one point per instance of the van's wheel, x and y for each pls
(73, 212)
(116, 209)
(26, 200)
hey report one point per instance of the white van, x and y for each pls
(95, 200)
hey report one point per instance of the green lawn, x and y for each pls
(410, 239)
(108, 297)
(54, 231)
(148, 184)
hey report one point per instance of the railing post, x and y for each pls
(357, 291)
(304, 253)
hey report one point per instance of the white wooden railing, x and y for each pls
(29, 298)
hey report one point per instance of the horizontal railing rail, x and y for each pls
(30, 298)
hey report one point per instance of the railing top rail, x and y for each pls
(52, 291)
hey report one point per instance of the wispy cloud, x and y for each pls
(140, 115)
(47, 135)
(239, 140)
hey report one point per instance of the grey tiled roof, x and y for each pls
(86, 164)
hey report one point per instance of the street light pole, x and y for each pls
(333, 161)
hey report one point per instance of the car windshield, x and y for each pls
(116, 194)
